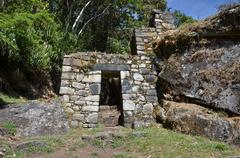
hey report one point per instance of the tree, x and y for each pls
(181, 18)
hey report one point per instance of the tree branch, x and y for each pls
(89, 20)
(79, 17)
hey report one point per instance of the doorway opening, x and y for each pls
(111, 108)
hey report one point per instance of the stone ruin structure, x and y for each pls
(114, 89)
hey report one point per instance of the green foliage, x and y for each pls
(11, 128)
(29, 39)
(6, 99)
(182, 19)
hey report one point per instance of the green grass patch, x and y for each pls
(10, 127)
(160, 142)
(7, 99)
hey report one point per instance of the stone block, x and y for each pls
(74, 124)
(152, 92)
(66, 90)
(92, 79)
(83, 93)
(66, 68)
(78, 116)
(69, 110)
(78, 85)
(125, 74)
(80, 77)
(144, 71)
(135, 89)
(151, 78)
(92, 118)
(67, 61)
(65, 83)
(138, 77)
(142, 65)
(90, 108)
(141, 52)
(152, 99)
(65, 98)
(94, 98)
(126, 89)
(142, 48)
(148, 109)
(74, 97)
(95, 73)
(76, 108)
(81, 103)
(129, 96)
(67, 76)
(95, 89)
(128, 105)
(79, 63)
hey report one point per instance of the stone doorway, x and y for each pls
(110, 105)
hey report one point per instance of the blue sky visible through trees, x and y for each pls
(198, 9)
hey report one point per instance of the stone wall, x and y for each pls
(144, 36)
(81, 87)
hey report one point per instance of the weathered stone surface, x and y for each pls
(92, 79)
(138, 77)
(33, 143)
(148, 109)
(151, 78)
(152, 99)
(36, 118)
(78, 116)
(69, 110)
(94, 98)
(129, 96)
(78, 85)
(152, 92)
(207, 75)
(66, 68)
(65, 98)
(90, 108)
(85, 96)
(95, 89)
(144, 71)
(128, 105)
(67, 61)
(67, 76)
(66, 90)
(111, 67)
(196, 120)
(80, 77)
(92, 118)
(141, 124)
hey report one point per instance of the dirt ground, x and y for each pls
(84, 152)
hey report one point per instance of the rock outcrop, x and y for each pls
(197, 120)
(200, 63)
(35, 118)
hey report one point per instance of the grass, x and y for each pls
(160, 142)
(10, 127)
(7, 99)
(157, 142)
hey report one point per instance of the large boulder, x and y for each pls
(200, 63)
(208, 76)
(197, 120)
(35, 118)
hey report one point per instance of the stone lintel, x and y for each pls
(110, 67)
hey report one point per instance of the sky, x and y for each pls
(198, 9)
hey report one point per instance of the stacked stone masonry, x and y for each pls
(82, 75)
(143, 37)
(81, 85)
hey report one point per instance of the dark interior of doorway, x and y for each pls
(111, 108)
